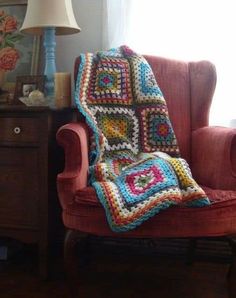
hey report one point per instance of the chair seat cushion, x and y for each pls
(87, 215)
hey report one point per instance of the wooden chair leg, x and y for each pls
(73, 241)
(232, 269)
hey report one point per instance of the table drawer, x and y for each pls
(14, 129)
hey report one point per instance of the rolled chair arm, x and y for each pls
(213, 158)
(73, 137)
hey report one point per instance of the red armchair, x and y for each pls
(188, 88)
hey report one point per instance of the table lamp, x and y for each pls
(49, 18)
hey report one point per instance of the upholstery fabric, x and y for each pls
(214, 142)
(215, 220)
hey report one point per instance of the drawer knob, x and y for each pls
(17, 130)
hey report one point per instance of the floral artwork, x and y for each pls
(17, 50)
(8, 37)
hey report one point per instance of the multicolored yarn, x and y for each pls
(135, 168)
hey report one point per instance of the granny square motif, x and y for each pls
(110, 82)
(119, 126)
(146, 88)
(156, 130)
(138, 183)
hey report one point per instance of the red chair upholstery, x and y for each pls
(188, 88)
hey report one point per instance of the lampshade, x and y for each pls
(42, 14)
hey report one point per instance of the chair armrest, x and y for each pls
(73, 137)
(213, 157)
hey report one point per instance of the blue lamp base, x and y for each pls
(50, 64)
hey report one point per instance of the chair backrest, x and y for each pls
(188, 88)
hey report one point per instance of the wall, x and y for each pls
(89, 16)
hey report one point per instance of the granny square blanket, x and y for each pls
(135, 166)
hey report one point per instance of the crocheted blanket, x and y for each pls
(135, 166)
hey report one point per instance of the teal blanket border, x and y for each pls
(94, 154)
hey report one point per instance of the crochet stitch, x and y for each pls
(134, 162)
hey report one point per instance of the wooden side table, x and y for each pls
(29, 162)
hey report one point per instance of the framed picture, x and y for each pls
(19, 53)
(26, 84)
